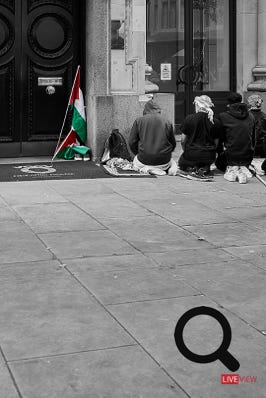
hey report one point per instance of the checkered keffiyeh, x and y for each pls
(255, 101)
(203, 103)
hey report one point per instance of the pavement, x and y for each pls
(95, 275)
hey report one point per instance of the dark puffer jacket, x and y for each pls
(152, 137)
(260, 128)
(238, 133)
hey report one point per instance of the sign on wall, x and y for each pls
(166, 71)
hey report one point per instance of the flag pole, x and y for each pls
(253, 171)
(61, 131)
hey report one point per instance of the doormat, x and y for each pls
(59, 170)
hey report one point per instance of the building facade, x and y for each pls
(128, 50)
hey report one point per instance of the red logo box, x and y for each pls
(229, 378)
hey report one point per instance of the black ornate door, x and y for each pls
(39, 52)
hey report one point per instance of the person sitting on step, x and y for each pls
(237, 140)
(152, 141)
(255, 104)
(200, 134)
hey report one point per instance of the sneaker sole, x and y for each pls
(230, 180)
(192, 177)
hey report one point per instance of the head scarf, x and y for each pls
(255, 101)
(204, 104)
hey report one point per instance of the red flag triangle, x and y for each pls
(75, 90)
(71, 138)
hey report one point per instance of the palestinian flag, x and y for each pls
(76, 138)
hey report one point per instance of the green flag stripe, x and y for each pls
(66, 153)
(79, 125)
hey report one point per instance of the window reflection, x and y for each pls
(117, 35)
(209, 49)
(211, 45)
(165, 42)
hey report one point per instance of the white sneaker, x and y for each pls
(173, 168)
(157, 172)
(241, 177)
(257, 169)
(77, 157)
(246, 171)
(231, 173)
(86, 157)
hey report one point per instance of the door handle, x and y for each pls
(50, 90)
(180, 79)
(195, 74)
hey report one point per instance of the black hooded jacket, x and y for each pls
(152, 137)
(238, 133)
(260, 131)
(201, 133)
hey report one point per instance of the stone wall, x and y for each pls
(115, 78)
(257, 84)
(247, 42)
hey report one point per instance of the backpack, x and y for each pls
(115, 147)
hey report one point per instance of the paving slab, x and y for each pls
(130, 183)
(253, 254)
(112, 287)
(44, 311)
(176, 258)
(227, 282)
(111, 263)
(185, 211)
(252, 216)
(18, 244)
(7, 213)
(153, 324)
(252, 310)
(256, 198)
(221, 200)
(109, 205)
(149, 192)
(253, 186)
(126, 372)
(8, 389)
(230, 234)
(174, 184)
(18, 193)
(180, 184)
(236, 285)
(2, 202)
(69, 188)
(153, 234)
(85, 243)
(57, 217)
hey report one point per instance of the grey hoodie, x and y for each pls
(152, 137)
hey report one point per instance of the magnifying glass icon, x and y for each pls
(221, 353)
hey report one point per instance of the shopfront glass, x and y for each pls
(188, 50)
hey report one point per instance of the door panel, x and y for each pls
(196, 39)
(44, 57)
(7, 70)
